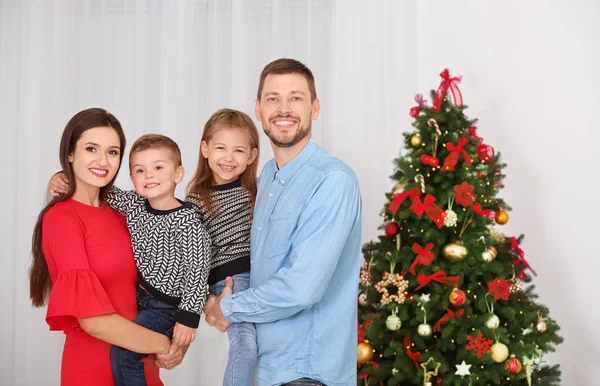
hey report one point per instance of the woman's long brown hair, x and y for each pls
(203, 179)
(40, 283)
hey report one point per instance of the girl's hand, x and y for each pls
(169, 362)
(182, 336)
(58, 185)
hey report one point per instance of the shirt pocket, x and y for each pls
(278, 238)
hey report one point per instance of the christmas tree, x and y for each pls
(444, 296)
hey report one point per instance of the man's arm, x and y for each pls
(323, 230)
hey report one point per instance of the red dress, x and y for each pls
(89, 257)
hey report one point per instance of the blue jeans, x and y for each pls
(243, 350)
(155, 315)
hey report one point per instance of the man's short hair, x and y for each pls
(288, 66)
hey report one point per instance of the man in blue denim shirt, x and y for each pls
(305, 246)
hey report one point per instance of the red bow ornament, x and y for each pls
(414, 356)
(473, 134)
(424, 256)
(446, 318)
(435, 213)
(399, 198)
(428, 206)
(482, 212)
(455, 152)
(440, 277)
(514, 244)
(447, 83)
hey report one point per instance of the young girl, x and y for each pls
(82, 259)
(224, 189)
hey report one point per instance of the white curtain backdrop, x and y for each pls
(530, 76)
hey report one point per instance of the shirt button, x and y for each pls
(260, 228)
(270, 194)
(282, 182)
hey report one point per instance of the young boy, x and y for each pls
(170, 245)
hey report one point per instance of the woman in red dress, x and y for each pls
(83, 264)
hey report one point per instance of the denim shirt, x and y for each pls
(305, 263)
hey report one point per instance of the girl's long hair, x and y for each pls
(203, 179)
(40, 283)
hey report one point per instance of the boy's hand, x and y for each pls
(182, 335)
(58, 184)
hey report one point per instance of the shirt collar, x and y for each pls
(289, 169)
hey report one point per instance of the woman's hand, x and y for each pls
(169, 362)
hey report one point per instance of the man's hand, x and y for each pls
(58, 185)
(210, 302)
(182, 336)
(215, 316)
(169, 362)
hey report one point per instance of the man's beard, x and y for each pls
(301, 133)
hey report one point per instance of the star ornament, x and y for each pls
(428, 374)
(463, 369)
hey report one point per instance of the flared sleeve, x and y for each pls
(76, 290)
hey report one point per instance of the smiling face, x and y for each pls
(154, 173)
(286, 111)
(96, 158)
(229, 153)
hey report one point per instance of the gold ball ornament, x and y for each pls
(424, 329)
(416, 140)
(455, 252)
(365, 352)
(499, 352)
(393, 323)
(501, 217)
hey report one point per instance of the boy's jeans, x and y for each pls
(155, 315)
(243, 350)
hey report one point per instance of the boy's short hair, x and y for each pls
(156, 141)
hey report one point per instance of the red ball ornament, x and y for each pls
(457, 297)
(485, 153)
(434, 161)
(391, 229)
(425, 159)
(414, 112)
(512, 365)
